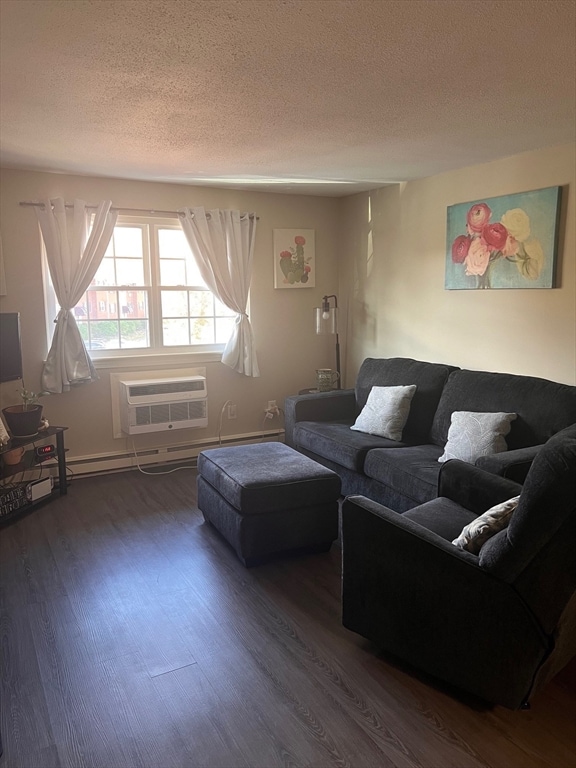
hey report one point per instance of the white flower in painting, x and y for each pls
(517, 223)
(531, 266)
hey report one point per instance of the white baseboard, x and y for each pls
(82, 466)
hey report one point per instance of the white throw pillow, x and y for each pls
(477, 533)
(386, 411)
(472, 435)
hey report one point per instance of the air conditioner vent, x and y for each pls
(158, 405)
(165, 388)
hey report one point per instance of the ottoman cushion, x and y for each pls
(256, 478)
(268, 499)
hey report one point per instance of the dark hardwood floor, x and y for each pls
(132, 636)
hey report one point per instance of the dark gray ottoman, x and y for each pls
(268, 498)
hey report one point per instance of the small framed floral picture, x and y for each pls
(294, 258)
(504, 242)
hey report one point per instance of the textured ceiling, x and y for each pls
(243, 92)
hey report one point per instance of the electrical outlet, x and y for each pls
(232, 411)
(271, 410)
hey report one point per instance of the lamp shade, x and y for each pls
(326, 320)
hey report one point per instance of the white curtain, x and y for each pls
(222, 243)
(73, 259)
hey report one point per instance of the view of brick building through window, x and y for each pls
(148, 293)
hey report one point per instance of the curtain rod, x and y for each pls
(39, 204)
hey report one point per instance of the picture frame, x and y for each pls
(294, 258)
(509, 241)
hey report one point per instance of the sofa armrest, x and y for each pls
(338, 405)
(511, 464)
(474, 488)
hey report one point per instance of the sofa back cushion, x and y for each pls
(429, 379)
(543, 407)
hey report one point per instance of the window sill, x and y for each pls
(151, 360)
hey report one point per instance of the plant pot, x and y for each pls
(12, 458)
(21, 421)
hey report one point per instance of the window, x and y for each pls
(148, 294)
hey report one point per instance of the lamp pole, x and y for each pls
(326, 316)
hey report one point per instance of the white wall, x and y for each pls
(288, 351)
(394, 291)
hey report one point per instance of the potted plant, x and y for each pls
(24, 420)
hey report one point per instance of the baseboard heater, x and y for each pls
(84, 466)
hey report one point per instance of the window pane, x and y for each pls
(222, 309)
(96, 344)
(105, 274)
(134, 333)
(172, 272)
(83, 328)
(104, 334)
(133, 304)
(175, 333)
(128, 242)
(224, 326)
(129, 272)
(175, 304)
(202, 330)
(81, 310)
(174, 246)
(110, 302)
(201, 303)
(102, 304)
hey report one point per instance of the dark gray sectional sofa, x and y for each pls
(402, 475)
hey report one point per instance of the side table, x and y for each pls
(13, 499)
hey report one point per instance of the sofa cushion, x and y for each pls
(472, 435)
(477, 533)
(338, 443)
(442, 516)
(429, 379)
(412, 471)
(385, 412)
(543, 407)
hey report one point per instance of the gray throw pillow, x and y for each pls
(495, 519)
(472, 435)
(386, 411)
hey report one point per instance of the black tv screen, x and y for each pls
(10, 350)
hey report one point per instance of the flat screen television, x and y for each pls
(10, 350)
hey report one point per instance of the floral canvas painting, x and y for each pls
(294, 258)
(503, 242)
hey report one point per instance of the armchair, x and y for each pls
(498, 624)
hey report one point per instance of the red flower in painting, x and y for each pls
(478, 216)
(299, 240)
(495, 235)
(285, 254)
(460, 248)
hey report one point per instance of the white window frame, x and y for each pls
(120, 357)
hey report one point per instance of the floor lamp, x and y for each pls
(326, 322)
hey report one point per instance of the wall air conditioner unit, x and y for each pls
(156, 405)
